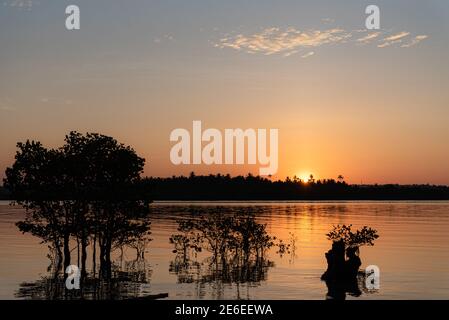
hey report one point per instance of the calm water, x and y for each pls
(412, 251)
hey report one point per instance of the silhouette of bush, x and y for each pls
(364, 236)
(236, 242)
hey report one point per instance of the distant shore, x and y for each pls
(255, 188)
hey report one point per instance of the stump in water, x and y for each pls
(335, 261)
(343, 262)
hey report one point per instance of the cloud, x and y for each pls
(290, 53)
(165, 37)
(275, 40)
(415, 41)
(387, 44)
(396, 37)
(393, 39)
(368, 38)
(328, 20)
(290, 41)
(308, 54)
(21, 4)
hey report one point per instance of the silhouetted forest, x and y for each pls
(4, 194)
(225, 187)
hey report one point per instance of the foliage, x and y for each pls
(236, 235)
(85, 190)
(237, 243)
(364, 236)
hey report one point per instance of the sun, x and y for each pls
(304, 176)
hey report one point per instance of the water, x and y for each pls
(412, 251)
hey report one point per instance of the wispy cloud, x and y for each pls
(369, 38)
(328, 20)
(165, 37)
(290, 41)
(308, 54)
(398, 36)
(21, 4)
(275, 40)
(393, 39)
(415, 41)
(290, 53)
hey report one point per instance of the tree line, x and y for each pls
(250, 187)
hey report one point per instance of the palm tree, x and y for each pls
(311, 179)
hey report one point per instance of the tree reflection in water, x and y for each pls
(128, 280)
(222, 249)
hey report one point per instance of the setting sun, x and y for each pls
(304, 176)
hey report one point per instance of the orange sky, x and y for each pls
(374, 111)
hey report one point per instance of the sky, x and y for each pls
(371, 105)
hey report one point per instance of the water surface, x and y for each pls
(412, 251)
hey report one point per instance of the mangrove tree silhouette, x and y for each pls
(343, 262)
(222, 248)
(85, 192)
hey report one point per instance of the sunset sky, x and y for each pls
(372, 105)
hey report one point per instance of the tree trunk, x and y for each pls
(102, 259)
(94, 256)
(83, 257)
(78, 250)
(107, 259)
(66, 252)
(59, 258)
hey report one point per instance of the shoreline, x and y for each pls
(255, 202)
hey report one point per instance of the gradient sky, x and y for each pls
(372, 106)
